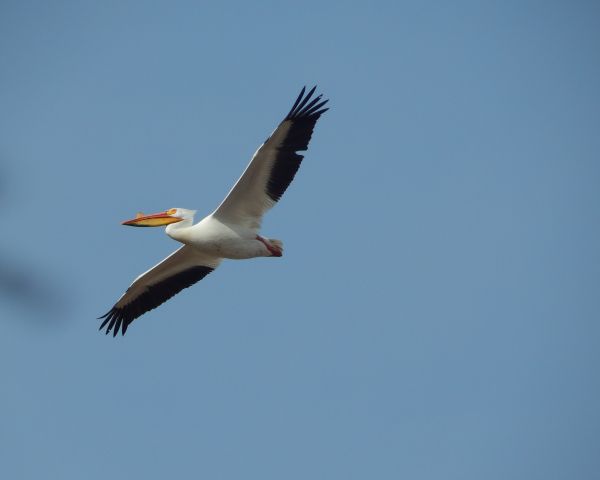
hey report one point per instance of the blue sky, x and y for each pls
(435, 314)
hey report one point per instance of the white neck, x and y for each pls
(179, 231)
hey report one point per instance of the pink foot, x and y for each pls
(275, 250)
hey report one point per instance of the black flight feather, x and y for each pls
(153, 296)
(302, 119)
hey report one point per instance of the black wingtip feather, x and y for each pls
(117, 326)
(297, 101)
(300, 107)
(105, 321)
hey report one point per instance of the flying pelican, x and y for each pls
(232, 230)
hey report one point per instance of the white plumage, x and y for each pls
(232, 230)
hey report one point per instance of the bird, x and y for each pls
(232, 230)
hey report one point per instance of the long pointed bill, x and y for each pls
(155, 220)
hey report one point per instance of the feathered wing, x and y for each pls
(274, 164)
(179, 270)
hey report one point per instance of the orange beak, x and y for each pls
(154, 220)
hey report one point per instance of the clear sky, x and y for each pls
(436, 312)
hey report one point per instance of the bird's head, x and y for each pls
(173, 215)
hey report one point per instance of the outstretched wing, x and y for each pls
(274, 164)
(179, 270)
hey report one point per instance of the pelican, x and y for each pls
(232, 230)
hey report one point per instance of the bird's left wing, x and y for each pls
(179, 270)
(274, 164)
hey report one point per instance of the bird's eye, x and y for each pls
(173, 211)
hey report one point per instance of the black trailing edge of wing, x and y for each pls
(303, 116)
(119, 318)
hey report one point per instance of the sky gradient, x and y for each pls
(436, 311)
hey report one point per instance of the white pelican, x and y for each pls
(232, 230)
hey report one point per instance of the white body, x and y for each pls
(220, 239)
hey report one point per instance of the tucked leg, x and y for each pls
(273, 246)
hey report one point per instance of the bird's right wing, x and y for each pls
(179, 270)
